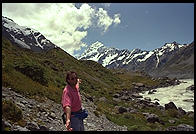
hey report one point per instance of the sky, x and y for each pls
(75, 26)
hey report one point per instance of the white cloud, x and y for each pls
(62, 23)
(104, 21)
(117, 19)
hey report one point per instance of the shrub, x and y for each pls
(172, 112)
(34, 72)
(10, 111)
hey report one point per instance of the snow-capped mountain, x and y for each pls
(134, 60)
(25, 37)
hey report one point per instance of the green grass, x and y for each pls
(42, 75)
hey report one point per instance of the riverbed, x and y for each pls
(178, 94)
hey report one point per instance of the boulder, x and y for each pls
(151, 91)
(189, 100)
(181, 127)
(170, 105)
(156, 103)
(181, 111)
(122, 110)
(147, 98)
(152, 118)
(190, 88)
(137, 96)
(156, 99)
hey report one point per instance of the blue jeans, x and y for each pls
(77, 124)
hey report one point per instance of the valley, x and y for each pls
(33, 81)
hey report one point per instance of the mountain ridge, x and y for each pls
(25, 37)
(114, 92)
(136, 59)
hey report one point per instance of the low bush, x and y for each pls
(11, 111)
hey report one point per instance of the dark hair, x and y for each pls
(70, 73)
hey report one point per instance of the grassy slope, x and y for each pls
(19, 67)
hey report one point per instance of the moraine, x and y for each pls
(177, 94)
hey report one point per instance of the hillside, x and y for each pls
(42, 75)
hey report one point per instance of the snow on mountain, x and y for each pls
(25, 37)
(135, 59)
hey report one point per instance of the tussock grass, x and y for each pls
(42, 75)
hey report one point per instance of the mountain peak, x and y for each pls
(96, 45)
(25, 37)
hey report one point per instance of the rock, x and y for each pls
(20, 104)
(190, 114)
(5, 124)
(170, 105)
(32, 126)
(191, 88)
(145, 102)
(126, 98)
(52, 115)
(102, 99)
(41, 109)
(24, 102)
(151, 91)
(172, 121)
(30, 106)
(181, 127)
(90, 98)
(189, 100)
(147, 98)
(19, 128)
(132, 110)
(185, 127)
(137, 95)
(156, 103)
(43, 128)
(116, 95)
(138, 84)
(152, 118)
(181, 111)
(161, 107)
(122, 110)
(116, 99)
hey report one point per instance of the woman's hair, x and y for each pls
(70, 73)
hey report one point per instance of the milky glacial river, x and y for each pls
(177, 94)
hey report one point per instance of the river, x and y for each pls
(177, 94)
